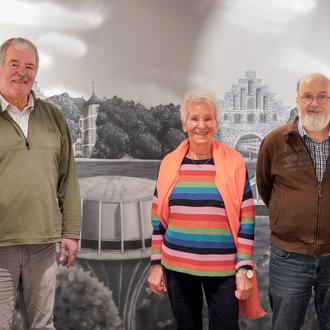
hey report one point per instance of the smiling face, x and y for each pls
(200, 124)
(314, 116)
(17, 75)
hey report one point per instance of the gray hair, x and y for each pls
(19, 43)
(199, 96)
(308, 75)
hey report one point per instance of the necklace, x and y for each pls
(199, 166)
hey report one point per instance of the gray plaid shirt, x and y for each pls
(319, 152)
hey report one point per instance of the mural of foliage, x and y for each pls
(128, 129)
(82, 302)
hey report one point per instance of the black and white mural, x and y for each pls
(118, 69)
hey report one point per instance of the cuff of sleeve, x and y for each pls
(248, 264)
(155, 262)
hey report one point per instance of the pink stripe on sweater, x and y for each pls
(157, 237)
(192, 167)
(207, 210)
(248, 202)
(244, 263)
(245, 241)
(200, 257)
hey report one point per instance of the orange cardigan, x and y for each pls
(230, 180)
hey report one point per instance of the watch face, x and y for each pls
(249, 273)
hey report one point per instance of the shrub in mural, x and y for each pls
(82, 302)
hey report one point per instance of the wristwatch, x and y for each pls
(247, 272)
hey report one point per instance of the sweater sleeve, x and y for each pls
(157, 233)
(246, 231)
(68, 188)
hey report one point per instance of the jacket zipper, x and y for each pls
(319, 190)
(17, 127)
(319, 193)
(319, 196)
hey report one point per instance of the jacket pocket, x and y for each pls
(275, 205)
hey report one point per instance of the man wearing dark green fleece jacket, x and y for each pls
(39, 192)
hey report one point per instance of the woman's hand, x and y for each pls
(156, 279)
(243, 286)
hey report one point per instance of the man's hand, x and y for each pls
(243, 286)
(68, 252)
(156, 279)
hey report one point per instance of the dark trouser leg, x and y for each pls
(222, 303)
(186, 297)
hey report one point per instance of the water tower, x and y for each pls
(116, 236)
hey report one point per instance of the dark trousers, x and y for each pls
(186, 297)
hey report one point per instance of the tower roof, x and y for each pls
(94, 99)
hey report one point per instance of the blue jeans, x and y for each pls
(292, 276)
(186, 297)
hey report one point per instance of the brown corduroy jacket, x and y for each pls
(299, 208)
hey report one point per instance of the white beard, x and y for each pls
(315, 122)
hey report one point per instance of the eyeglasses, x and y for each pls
(308, 99)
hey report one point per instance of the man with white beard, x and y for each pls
(293, 179)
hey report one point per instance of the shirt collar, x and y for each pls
(301, 129)
(5, 104)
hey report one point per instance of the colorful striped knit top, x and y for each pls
(198, 239)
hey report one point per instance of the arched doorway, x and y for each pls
(248, 145)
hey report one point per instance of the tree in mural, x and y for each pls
(125, 128)
(71, 108)
(113, 142)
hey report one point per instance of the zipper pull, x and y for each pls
(319, 192)
(27, 144)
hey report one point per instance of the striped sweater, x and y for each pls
(198, 239)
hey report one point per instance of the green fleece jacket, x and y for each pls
(39, 192)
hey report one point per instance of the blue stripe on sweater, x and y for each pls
(198, 244)
(199, 237)
(196, 196)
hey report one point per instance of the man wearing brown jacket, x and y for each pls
(293, 178)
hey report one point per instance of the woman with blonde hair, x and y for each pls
(203, 225)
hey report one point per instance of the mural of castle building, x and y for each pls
(87, 126)
(248, 112)
(77, 146)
